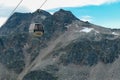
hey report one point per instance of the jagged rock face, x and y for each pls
(15, 48)
(18, 22)
(87, 52)
(39, 75)
(1, 43)
(70, 49)
(62, 18)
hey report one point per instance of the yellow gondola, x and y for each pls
(36, 29)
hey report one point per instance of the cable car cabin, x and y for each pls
(36, 29)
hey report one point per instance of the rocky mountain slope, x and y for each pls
(70, 49)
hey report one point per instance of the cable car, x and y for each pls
(36, 29)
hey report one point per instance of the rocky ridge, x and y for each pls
(70, 49)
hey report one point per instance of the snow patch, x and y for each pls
(114, 33)
(96, 31)
(86, 30)
(67, 26)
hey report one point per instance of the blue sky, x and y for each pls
(107, 15)
(100, 12)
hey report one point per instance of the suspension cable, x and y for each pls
(21, 2)
(43, 4)
(16, 7)
(13, 10)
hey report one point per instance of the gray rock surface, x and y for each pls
(70, 49)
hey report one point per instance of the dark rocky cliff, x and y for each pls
(67, 45)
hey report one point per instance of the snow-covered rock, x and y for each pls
(114, 33)
(86, 30)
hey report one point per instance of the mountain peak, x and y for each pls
(63, 15)
(62, 10)
(69, 49)
(62, 18)
(41, 12)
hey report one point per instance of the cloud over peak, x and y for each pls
(50, 4)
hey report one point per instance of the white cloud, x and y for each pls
(86, 18)
(33, 5)
(2, 20)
